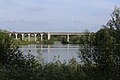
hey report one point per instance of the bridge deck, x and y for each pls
(51, 33)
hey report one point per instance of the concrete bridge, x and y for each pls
(41, 34)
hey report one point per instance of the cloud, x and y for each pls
(24, 22)
(34, 9)
(55, 14)
(11, 2)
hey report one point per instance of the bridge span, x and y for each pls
(41, 34)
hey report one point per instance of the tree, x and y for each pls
(114, 23)
(13, 64)
(86, 48)
(105, 51)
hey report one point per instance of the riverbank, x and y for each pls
(71, 43)
(34, 42)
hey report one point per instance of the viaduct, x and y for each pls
(49, 34)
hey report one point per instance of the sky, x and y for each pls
(55, 15)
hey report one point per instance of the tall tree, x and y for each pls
(105, 51)
(114, 23)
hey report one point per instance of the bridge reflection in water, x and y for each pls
(50, 52)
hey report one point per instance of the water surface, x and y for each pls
(63, 52)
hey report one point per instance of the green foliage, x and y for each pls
(48, 42)
(103, 52)
(75, 39)
(13, 64)
(107, 41)
(86, 48)
(64, 40)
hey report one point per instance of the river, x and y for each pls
(48, 53)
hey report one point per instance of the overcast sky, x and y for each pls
(55, 15)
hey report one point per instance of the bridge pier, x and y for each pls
(16, 36)
(48, 36)
(68, 38)
(22, 37)
(35, 36)
(41, 37)
(10, 35)
(28, 37)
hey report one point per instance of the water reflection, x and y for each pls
(50, 52)
(22, 48)
(35, 49)
(68, 45)
(29, 47)
(41, 48)
(48, 48)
